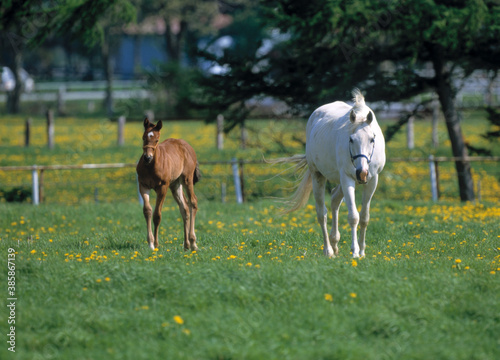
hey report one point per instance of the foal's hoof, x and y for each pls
(329, 253)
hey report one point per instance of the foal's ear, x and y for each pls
(352, 116)
(146, 123)
(369, 118)
(158, 125)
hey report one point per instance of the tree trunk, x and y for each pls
(14, 97)
(446, 93)
(108, 74)
(173, 37)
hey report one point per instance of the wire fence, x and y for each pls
(402, 179)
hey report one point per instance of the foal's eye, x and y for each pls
(373, 140)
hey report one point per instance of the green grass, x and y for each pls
(88, 287)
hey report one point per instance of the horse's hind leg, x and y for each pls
(337, 197)
(148, 212)
(318, 182)
(364, 215)
(192, 201)
(178, 195)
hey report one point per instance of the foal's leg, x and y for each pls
(364, 217)
(348, 186)
(161, 192)
(148, 212)
(337, 197)
(192, 201)
(318, 182)
(178, 195)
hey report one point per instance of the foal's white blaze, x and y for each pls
(150, 135)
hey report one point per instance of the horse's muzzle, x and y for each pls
(361, 176)
(148, 158)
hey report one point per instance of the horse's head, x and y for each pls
(361, 145)
(150, 139)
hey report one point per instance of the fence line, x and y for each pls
(37, 171)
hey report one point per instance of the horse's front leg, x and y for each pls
(368, 192)
(148, 212)
(348, 188)
(161, 192)
(319, 181)
(337, 197)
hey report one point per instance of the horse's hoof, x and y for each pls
(329, 253)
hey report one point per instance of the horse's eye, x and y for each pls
(373, 140)
(350, 140)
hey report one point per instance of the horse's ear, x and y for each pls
(158, 125)
(146, 123)
(352, 116)
(369, 118)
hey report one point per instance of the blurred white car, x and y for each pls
(8, 81)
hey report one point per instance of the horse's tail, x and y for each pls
(197, 173)
(301, 195)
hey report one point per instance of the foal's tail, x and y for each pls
(304, 188)
(197, 173)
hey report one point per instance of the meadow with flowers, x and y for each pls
(88, 287)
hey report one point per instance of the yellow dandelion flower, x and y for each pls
(98, 280)
(458, 261)
(354, 263)
(249, 264)
(353, 295)
(107, 279)
(33, 251)
(178, 320)
(328, 297)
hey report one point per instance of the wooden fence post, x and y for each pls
(41, 192)
(223, 192)
(34, 186)
(409, 134)
(237, 184)
(434, 186)
(242, 182)
(50, 129)
(150, 114)
(27, 132)
(220, 130)
(121, 126)
(61, 108)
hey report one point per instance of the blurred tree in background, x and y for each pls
(224, 56)
(393, 50)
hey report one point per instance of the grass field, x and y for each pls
(88, 287)
(259, 287)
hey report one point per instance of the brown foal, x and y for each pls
(170, 164)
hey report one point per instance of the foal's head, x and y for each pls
(150, 139)
(361, 145)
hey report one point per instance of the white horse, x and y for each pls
(345, 145)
